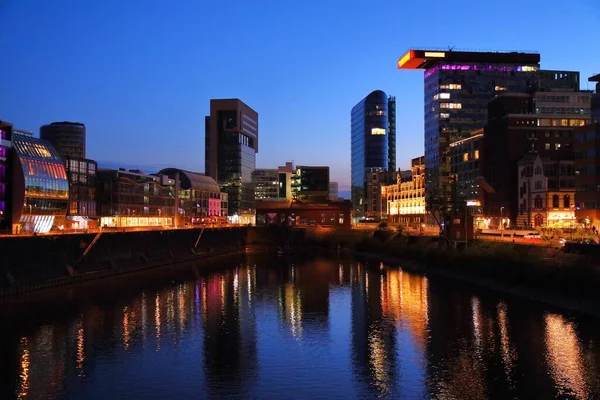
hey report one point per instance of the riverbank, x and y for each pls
(34, 263)
(545, 275)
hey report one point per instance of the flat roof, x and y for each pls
(425, 59)
(594, 78)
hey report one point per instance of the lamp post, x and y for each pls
(501, 224)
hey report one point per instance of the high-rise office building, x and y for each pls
(458, 86)
(373, 148)
(68, 138)
(231, 142)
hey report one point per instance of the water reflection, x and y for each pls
(564, 356)
(292, 328)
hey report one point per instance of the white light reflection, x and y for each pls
(476, 316)
(509, 355)
(80, 348)
(126, 336)
(236, 286)
(24, 374)
(341, 274)
(564, 357)
(157, 321)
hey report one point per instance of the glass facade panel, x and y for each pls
(473, 85)
(373, 146)
(46, 185)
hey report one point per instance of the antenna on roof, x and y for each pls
(450, 48)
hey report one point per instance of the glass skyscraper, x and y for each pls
(373, 148)
(458, 87)
(231, 140)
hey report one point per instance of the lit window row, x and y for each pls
(451, 105)
(441, 96)
(451, 86)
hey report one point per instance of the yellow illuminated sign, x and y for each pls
(435, 54)
(404, 59)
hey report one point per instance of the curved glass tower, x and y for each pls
(40, 185)
(373, 144)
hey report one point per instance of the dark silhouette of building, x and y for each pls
(68, 138)
(310, 183)
(6, 131)
(596, 98)
(587, 180)
(373, 145)
(300, 212)
(519, 123)
(231, 144)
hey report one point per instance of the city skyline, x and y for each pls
(145, 73)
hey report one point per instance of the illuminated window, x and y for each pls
(377, 131)
(444, 95)
(499, 88)
(444, 115)
(477, 154)
(546, 146)
(451, 105)
(451, 86)
(556, 146)
(466, 157)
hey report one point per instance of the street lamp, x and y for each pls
(501, 223)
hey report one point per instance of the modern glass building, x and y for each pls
(68, 138)
(458, 86)
(39, 184)
(231, 144)
(373, 148)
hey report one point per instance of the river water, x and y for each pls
(282, 328)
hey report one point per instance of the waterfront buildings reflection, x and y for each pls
(312, 328)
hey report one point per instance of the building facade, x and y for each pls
(266, 183)
(334, 191)
(542, 204)
(458, 86)
(373, 145)
(231, 144)
(520, 123)
(83, 206)
(198, 198)
(310, 183)
(376, 205)
(587, 169)
(134, 199)
(405, 199)
(6, 130)
(68, 138)
(302, 213)
(39, 186)
(466, 168)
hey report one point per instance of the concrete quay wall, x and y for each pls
(32, 263)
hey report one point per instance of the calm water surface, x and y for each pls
(283, 328)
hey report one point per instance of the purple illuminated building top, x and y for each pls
(477, 67)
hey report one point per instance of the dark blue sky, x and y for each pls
(140, 74)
